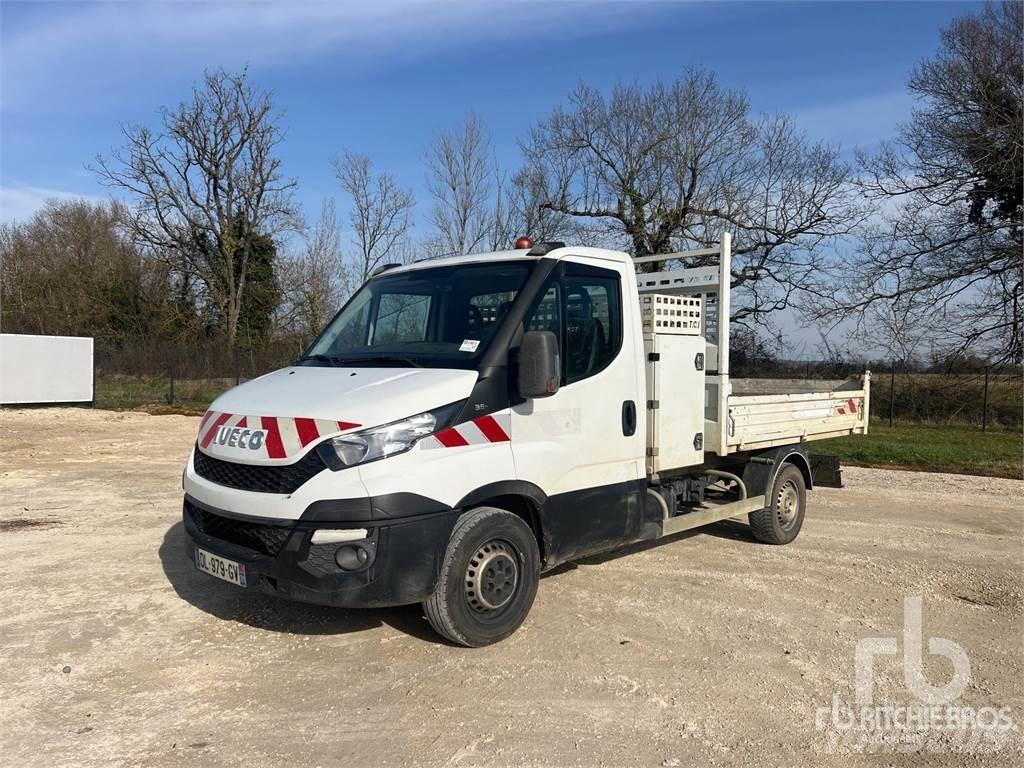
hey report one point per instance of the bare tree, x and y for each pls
(520, 210)
(672, 165)
(460, 181)
(944, 252)
(381, 214)
(316, 280)
(504, 217)
(207, 184)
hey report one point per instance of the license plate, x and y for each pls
(222, 568)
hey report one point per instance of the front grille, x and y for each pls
(261, 537)
(250, 477)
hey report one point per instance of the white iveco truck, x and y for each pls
(464, 424)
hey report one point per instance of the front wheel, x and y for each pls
(781, 520)
(488, 578)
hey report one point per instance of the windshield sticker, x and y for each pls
(469, 345)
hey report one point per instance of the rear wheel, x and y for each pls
(781, 520)
(488, 579)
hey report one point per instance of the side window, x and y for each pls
(401, 317)
(593, 322)
(584, 310)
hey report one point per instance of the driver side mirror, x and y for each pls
(539, 367)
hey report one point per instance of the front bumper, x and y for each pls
(280, 559)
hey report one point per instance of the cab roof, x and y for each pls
(521, 254)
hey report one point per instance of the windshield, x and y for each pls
(441, 317)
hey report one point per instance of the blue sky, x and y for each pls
(382, 78)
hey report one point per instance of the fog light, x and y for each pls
(351, 558)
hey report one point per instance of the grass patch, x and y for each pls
(150, 394)
(930, 448)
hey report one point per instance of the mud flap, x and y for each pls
(825, 471)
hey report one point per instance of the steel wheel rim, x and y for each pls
(492, 576)
(787, 504)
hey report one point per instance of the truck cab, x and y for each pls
(463, 424)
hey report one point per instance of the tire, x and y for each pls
(488, 578)
(781, 520)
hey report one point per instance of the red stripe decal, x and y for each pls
(213, 429)
(242, 422)
(450, 438)
(343, 425)
(206, 418)
(307, 431)
(853, 405)
(275, 448)
(492, 429)
(841, 411)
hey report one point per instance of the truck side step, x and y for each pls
(705, 516)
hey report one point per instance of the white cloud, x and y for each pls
(18, 203)
(93, 50)
(858, 122)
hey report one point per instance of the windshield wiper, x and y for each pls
(379, 359)
(320, 359)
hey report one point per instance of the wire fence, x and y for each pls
(981, 396)
(184, 375)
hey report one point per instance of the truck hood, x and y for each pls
(280, 416)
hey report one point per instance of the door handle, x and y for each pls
(629, 418)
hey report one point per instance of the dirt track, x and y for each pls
(709, 649)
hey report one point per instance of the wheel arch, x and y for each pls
(521, 498)
(800, 460)
(761, 469)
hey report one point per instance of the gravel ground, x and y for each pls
(707, 649)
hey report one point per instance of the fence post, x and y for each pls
(892, 394)
(173, 366)
(238, 368)
(984, 404)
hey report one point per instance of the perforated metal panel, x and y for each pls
(679, 315)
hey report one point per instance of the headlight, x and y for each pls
(381, 442)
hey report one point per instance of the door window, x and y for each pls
(583, 309)
(593, 323)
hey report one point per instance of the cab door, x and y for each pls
(584, 445)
